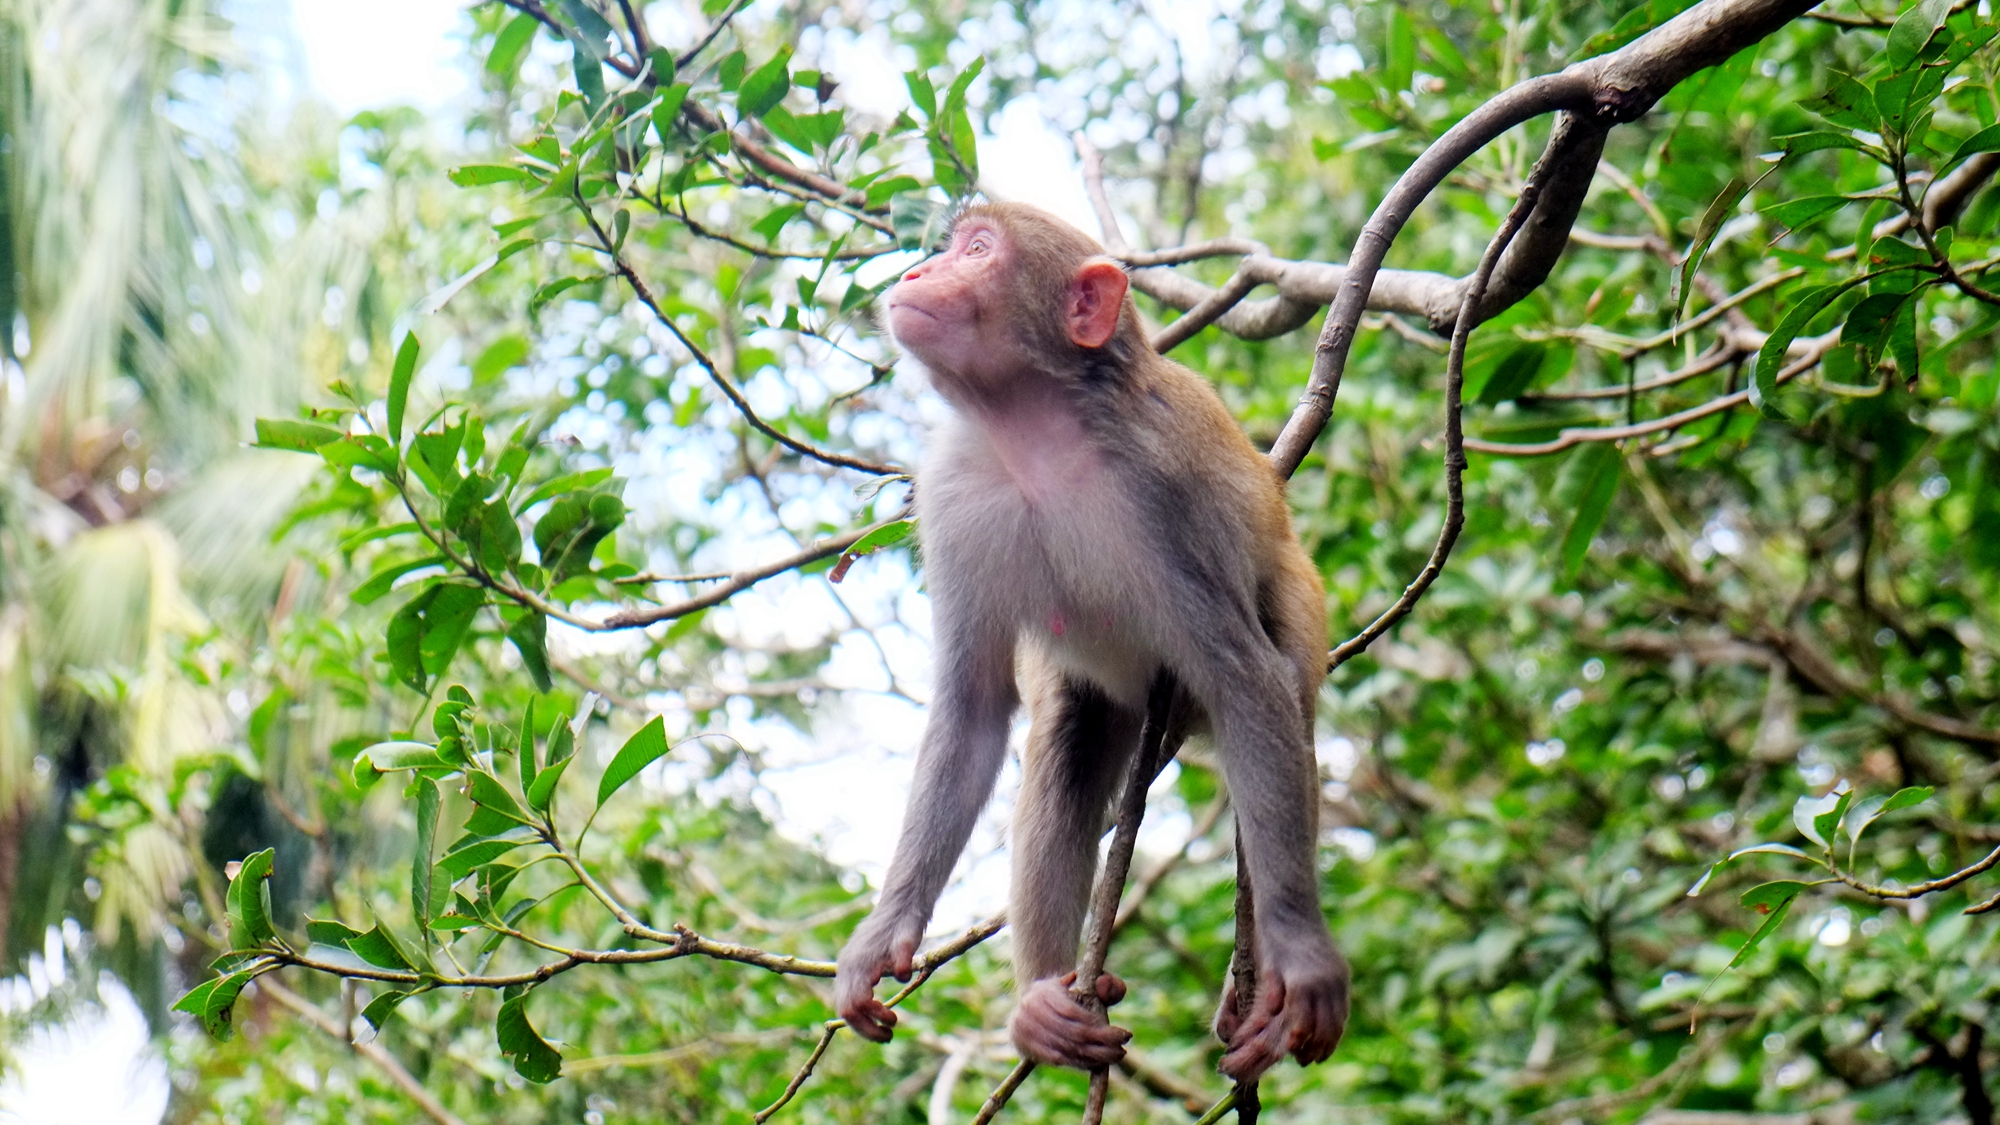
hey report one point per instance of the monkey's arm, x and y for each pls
(963, 746)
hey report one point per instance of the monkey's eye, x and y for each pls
(978, 245)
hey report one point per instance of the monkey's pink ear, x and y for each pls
(1096, 298)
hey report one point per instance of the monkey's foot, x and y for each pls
(1051, 1028)
(1300, 1014)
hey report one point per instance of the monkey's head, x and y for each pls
(1015, 290)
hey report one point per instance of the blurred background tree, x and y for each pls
(1643, 656)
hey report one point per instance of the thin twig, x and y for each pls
(1202, 315)
(1146, 763)
(997, 1100)
(623, 267)
(1577, 436)
(1454, 434)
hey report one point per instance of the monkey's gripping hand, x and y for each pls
(1300, 1009)
(881, 946)
(1050, 1027)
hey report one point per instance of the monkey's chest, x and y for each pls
(1060, 558)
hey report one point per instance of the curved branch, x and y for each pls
(1523, 102)
(1611, 89)
(1454, 435)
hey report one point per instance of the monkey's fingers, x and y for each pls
(1057, 1039)
(1110, 989)
(1316, 1023)
(872, 1020)
(1262, 1039)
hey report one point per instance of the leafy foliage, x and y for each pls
(1749, 649)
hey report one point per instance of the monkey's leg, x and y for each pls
(1078, 751)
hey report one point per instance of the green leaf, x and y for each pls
(887, 534)
(1906, 798)
(1847, 102)
(1827, 824)
(380, 948)
(544, 789)
(562, 741)
(249, 902)
(524, 750)
(1985, 140)
(1869, 323)
(919, 223)
(383, 580)
(464, 857)
(1806, 812)
(1515, 372)
(530, 637)
(1587, 485)
(363, 450)
(591, 26)
(639, 751)
(499, 538)
(1778, 911)
(668, 110)
(570, 482)
(533, 1058)
(586, 62)
(486, 790)
(382, 1006)
(384, 757)
(214, 1002)
(768, 227)
(766, 86)
(1765, 897)
(729, 73)
(922, 94)
(510, 45)
(1795, 213)
(298, 437)
(1718, 212)
(1913, 30)
(1399, 54)
(663, 65)
(553, 290)
(1798, 144)
(507, 352)
(1771, 357)
(479, 175)
(423, 884)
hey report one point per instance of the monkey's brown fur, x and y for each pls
(1093, 516)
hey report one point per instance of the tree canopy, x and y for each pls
(428, 551)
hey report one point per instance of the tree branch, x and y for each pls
(374, 1052)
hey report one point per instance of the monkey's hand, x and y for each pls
(1050, 1027)
(875, 950)
(1300, 1009)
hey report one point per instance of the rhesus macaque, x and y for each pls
(1092, 516)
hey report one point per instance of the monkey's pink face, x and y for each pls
(944, 310)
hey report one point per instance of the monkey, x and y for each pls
(1091, 517)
